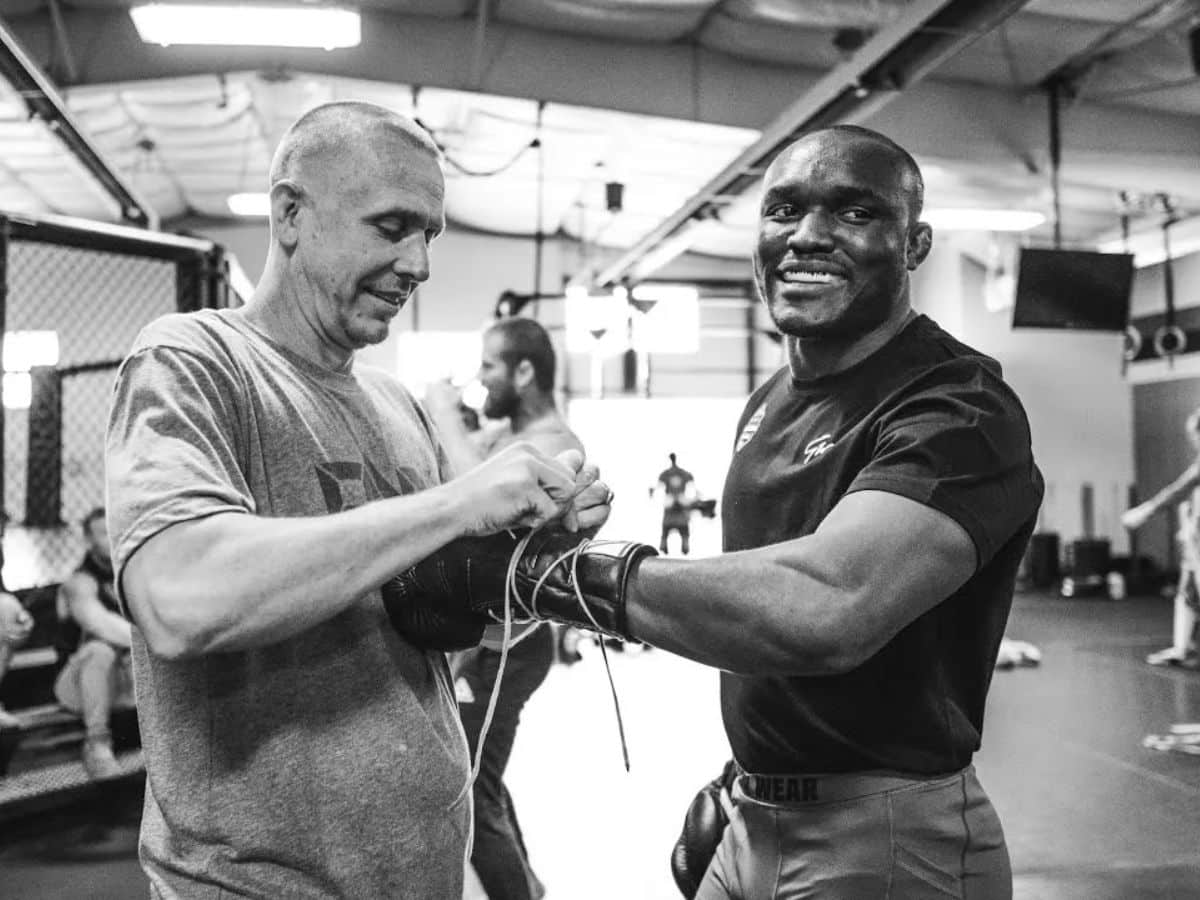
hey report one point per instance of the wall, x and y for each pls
(1070, 383)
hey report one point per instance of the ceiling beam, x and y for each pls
(43, 102)
(897, 56)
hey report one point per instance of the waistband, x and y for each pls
(800, 789)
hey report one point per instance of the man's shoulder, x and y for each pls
(197, 331)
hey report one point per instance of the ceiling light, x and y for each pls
(260, 26)
(982, 219)
(249, 204)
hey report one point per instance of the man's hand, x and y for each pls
(592, 501)
(441, 399)
(1136, 517)
(518, 487)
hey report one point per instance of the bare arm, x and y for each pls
(82, 595)
(817, 605)
(234, 581)
(441, 401)
(1177, 490)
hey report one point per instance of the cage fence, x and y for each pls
(72, 299)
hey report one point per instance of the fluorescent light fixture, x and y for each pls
(18, 390)
(259, 26)
(25, 349)
(249, 204)
(948, 219)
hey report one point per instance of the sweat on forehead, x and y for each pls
(339, 131)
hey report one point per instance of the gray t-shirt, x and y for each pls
(330, 764)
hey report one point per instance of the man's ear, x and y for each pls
(286, 201)
(523, 374)
(920, 242)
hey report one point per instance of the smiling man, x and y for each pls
(881, 494)
(262, 489)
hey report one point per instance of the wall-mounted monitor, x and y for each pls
(1073, 289)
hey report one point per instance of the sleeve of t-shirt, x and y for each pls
(959, 444)
(171, 453)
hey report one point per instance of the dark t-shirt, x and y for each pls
(929, 418)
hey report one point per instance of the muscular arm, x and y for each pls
(232, 581)
(82, 595)
(817, 605)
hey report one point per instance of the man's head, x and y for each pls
(838, 233)
(95, 535)
(356, 198)
(671, 457)
(517, 364)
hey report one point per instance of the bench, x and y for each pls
(40, 759)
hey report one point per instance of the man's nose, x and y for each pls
(812, 232)
(412, 257)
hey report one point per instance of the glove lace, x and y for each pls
(530, 613)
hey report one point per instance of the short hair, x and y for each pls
(526, 339)
(904, 161)
(337, 129)
(96, 512)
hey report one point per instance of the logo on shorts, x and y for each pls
(751, 427)
(817, 446)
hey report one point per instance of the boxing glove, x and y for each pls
(558, 577)
(703, 827)
(426, 622)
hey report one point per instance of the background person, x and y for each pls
(16, 624)
(98, 676)
(1185, 492)
(517, 369)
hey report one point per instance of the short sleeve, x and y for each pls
(171, 451)
(958, 442)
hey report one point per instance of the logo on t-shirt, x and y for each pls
(817, 446)
(751, 427)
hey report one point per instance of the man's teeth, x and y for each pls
(799, 277)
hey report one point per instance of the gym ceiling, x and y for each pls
(678, 101)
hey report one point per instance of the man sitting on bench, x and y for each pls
(97, 678)
(15, 625)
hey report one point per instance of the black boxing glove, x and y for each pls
(426, 622)
(467, 578)
(703, 828)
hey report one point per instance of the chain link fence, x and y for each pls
(72, 299)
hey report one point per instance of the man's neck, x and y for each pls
(277, 310)
(810, 359)
(534, 410)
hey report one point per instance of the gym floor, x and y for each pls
(1090, 814)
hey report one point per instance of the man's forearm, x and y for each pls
(738, 612)
(234, 581)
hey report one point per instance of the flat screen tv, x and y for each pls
(1073, 289)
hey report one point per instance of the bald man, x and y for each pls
(262, 487)
(880, 496)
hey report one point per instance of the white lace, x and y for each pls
(530, 613)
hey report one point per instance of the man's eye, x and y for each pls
(780, 210)
(392, 229)
(856, 214)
